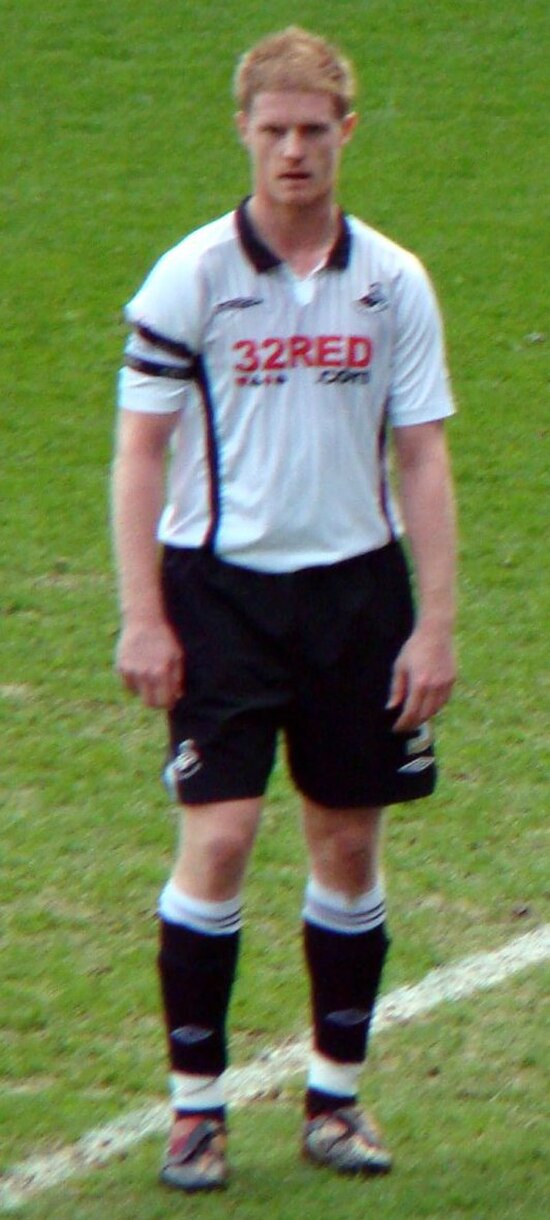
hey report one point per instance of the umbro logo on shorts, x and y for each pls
(420, 739)
(416, 744)
(415, 766)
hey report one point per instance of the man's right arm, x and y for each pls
(149, 657)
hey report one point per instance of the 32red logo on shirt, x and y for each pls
(319, 351)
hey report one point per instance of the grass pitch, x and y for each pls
(117, 138)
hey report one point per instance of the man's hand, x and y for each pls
(423, 677)
(150, 662)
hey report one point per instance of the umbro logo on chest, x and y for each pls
(238, 303)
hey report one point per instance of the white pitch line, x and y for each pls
(266, 1074)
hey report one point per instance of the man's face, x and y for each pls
(294, 141)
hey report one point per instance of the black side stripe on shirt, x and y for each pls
(212, 451)
(383, 491)
(154, 369)
(193, 370)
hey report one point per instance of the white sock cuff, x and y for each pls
(336, 912)
(328, 1076)
(195, 1093)
(212, 918)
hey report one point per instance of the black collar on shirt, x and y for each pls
(264, 259)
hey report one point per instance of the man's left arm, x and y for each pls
(424, 671)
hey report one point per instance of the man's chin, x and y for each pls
(296, 190)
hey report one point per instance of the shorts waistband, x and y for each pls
(364, 560)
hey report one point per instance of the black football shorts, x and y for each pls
(308, 654)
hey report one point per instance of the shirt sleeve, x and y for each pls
(420, 387)
(160, 359)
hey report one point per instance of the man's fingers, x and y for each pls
(411, 717)
(398, 689)
(150, 663)
(422, 704)
(156, 689)
(423, 677)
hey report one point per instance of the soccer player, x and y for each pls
(272, 354)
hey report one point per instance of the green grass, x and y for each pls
(463, 1110)
(117, 137)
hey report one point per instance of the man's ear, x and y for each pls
(241, 123)
(349, 123)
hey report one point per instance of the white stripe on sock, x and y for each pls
(212, 918)
(195, 1093)
(335, 911)
(340, 1079)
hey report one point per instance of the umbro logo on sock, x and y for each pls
(190, 1034)
(348, 1017)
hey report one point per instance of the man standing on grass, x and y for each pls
(271, 353)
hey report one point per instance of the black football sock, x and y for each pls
(345, 946)
(197, 970)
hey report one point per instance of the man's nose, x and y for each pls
(293, 145)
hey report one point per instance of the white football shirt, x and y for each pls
(285, 389)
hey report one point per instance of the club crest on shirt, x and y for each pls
(375, 299)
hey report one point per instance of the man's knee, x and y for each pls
(344, 846)
(225, 849)
(216, 844)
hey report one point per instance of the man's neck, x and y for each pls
(301, 237)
